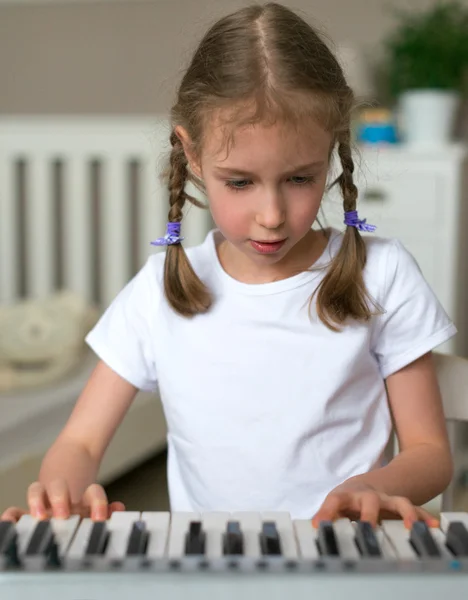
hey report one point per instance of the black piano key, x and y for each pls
(270, 542)
(138, 540)
(233, 540)
(422, 541)
(98, 539)
(326, 539)
(195, 539)
(41, 539)
(366, 540)
(456, 538)
(9, 543)
(7, 535)
(53, 555)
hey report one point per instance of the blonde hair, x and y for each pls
(269, 58)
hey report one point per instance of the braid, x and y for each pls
(184, 290)
(177, 180)
(348, 188)
(343, 293)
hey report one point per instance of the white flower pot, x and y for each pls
(427, 116)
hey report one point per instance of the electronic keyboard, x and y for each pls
(170, 556)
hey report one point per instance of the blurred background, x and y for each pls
(86, 87)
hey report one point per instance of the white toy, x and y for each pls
(42, 340)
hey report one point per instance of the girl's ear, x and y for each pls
(184, 137)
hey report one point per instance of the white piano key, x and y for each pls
(306, 536)
(449, 517)
(64, 531)
(439, 537)
(251, 525)
(80, 541)
(286, 532)
(214, 525)
(180, 525)
(119, 527)
(388, 551)
(399, 536)
(345, 533)
(24, 529)
(157, 525)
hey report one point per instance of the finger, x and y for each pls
(115, 507)
(12, 514)
(370, 508)
(426, 516)
(95, 497)
(405, 508)
(330, 509)
(59, 498)
(37, 500)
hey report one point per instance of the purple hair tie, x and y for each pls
(172, 236)
(352, 219)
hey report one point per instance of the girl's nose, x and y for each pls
(271, 214)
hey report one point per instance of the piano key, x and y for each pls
(98, 539)
(270, 542)
(41, 539)
(179, 526)
(25, 528)
(398, 535)
(137, 542)
(439, 537)
(233, 539)
(456, 538)
(326, 539)
(195, 539)
(157, 525)
(285, 529)
(386, 546)
(306, 535)
(423, 541)
(80, 541)
(345, 535)
(251, 525)
(8, 544)
(449, 517)
(64, 531)
(118, 531)
(366, 540)
(214, 526)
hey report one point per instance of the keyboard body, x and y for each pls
(242, 556)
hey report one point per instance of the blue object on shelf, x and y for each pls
(377, 133)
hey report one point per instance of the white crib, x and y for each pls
(80, 201)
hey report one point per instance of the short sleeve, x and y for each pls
(122, 338)
(414, 322)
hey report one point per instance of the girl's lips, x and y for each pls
(267, 247)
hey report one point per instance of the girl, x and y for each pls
(283, 353)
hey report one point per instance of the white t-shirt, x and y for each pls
(267, 408)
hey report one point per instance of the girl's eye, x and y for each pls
(238, 184)
(302, 180)
(241, 184)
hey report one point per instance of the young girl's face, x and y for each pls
(265, 194)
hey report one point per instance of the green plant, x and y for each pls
(428, 50)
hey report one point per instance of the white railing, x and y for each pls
(80, 201)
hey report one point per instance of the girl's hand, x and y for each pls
(359, 501)
(53, 500)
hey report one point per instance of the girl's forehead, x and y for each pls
(232, 138)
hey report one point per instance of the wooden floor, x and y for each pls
(145, 488)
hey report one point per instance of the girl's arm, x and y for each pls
(77, 453)
(424, 467)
